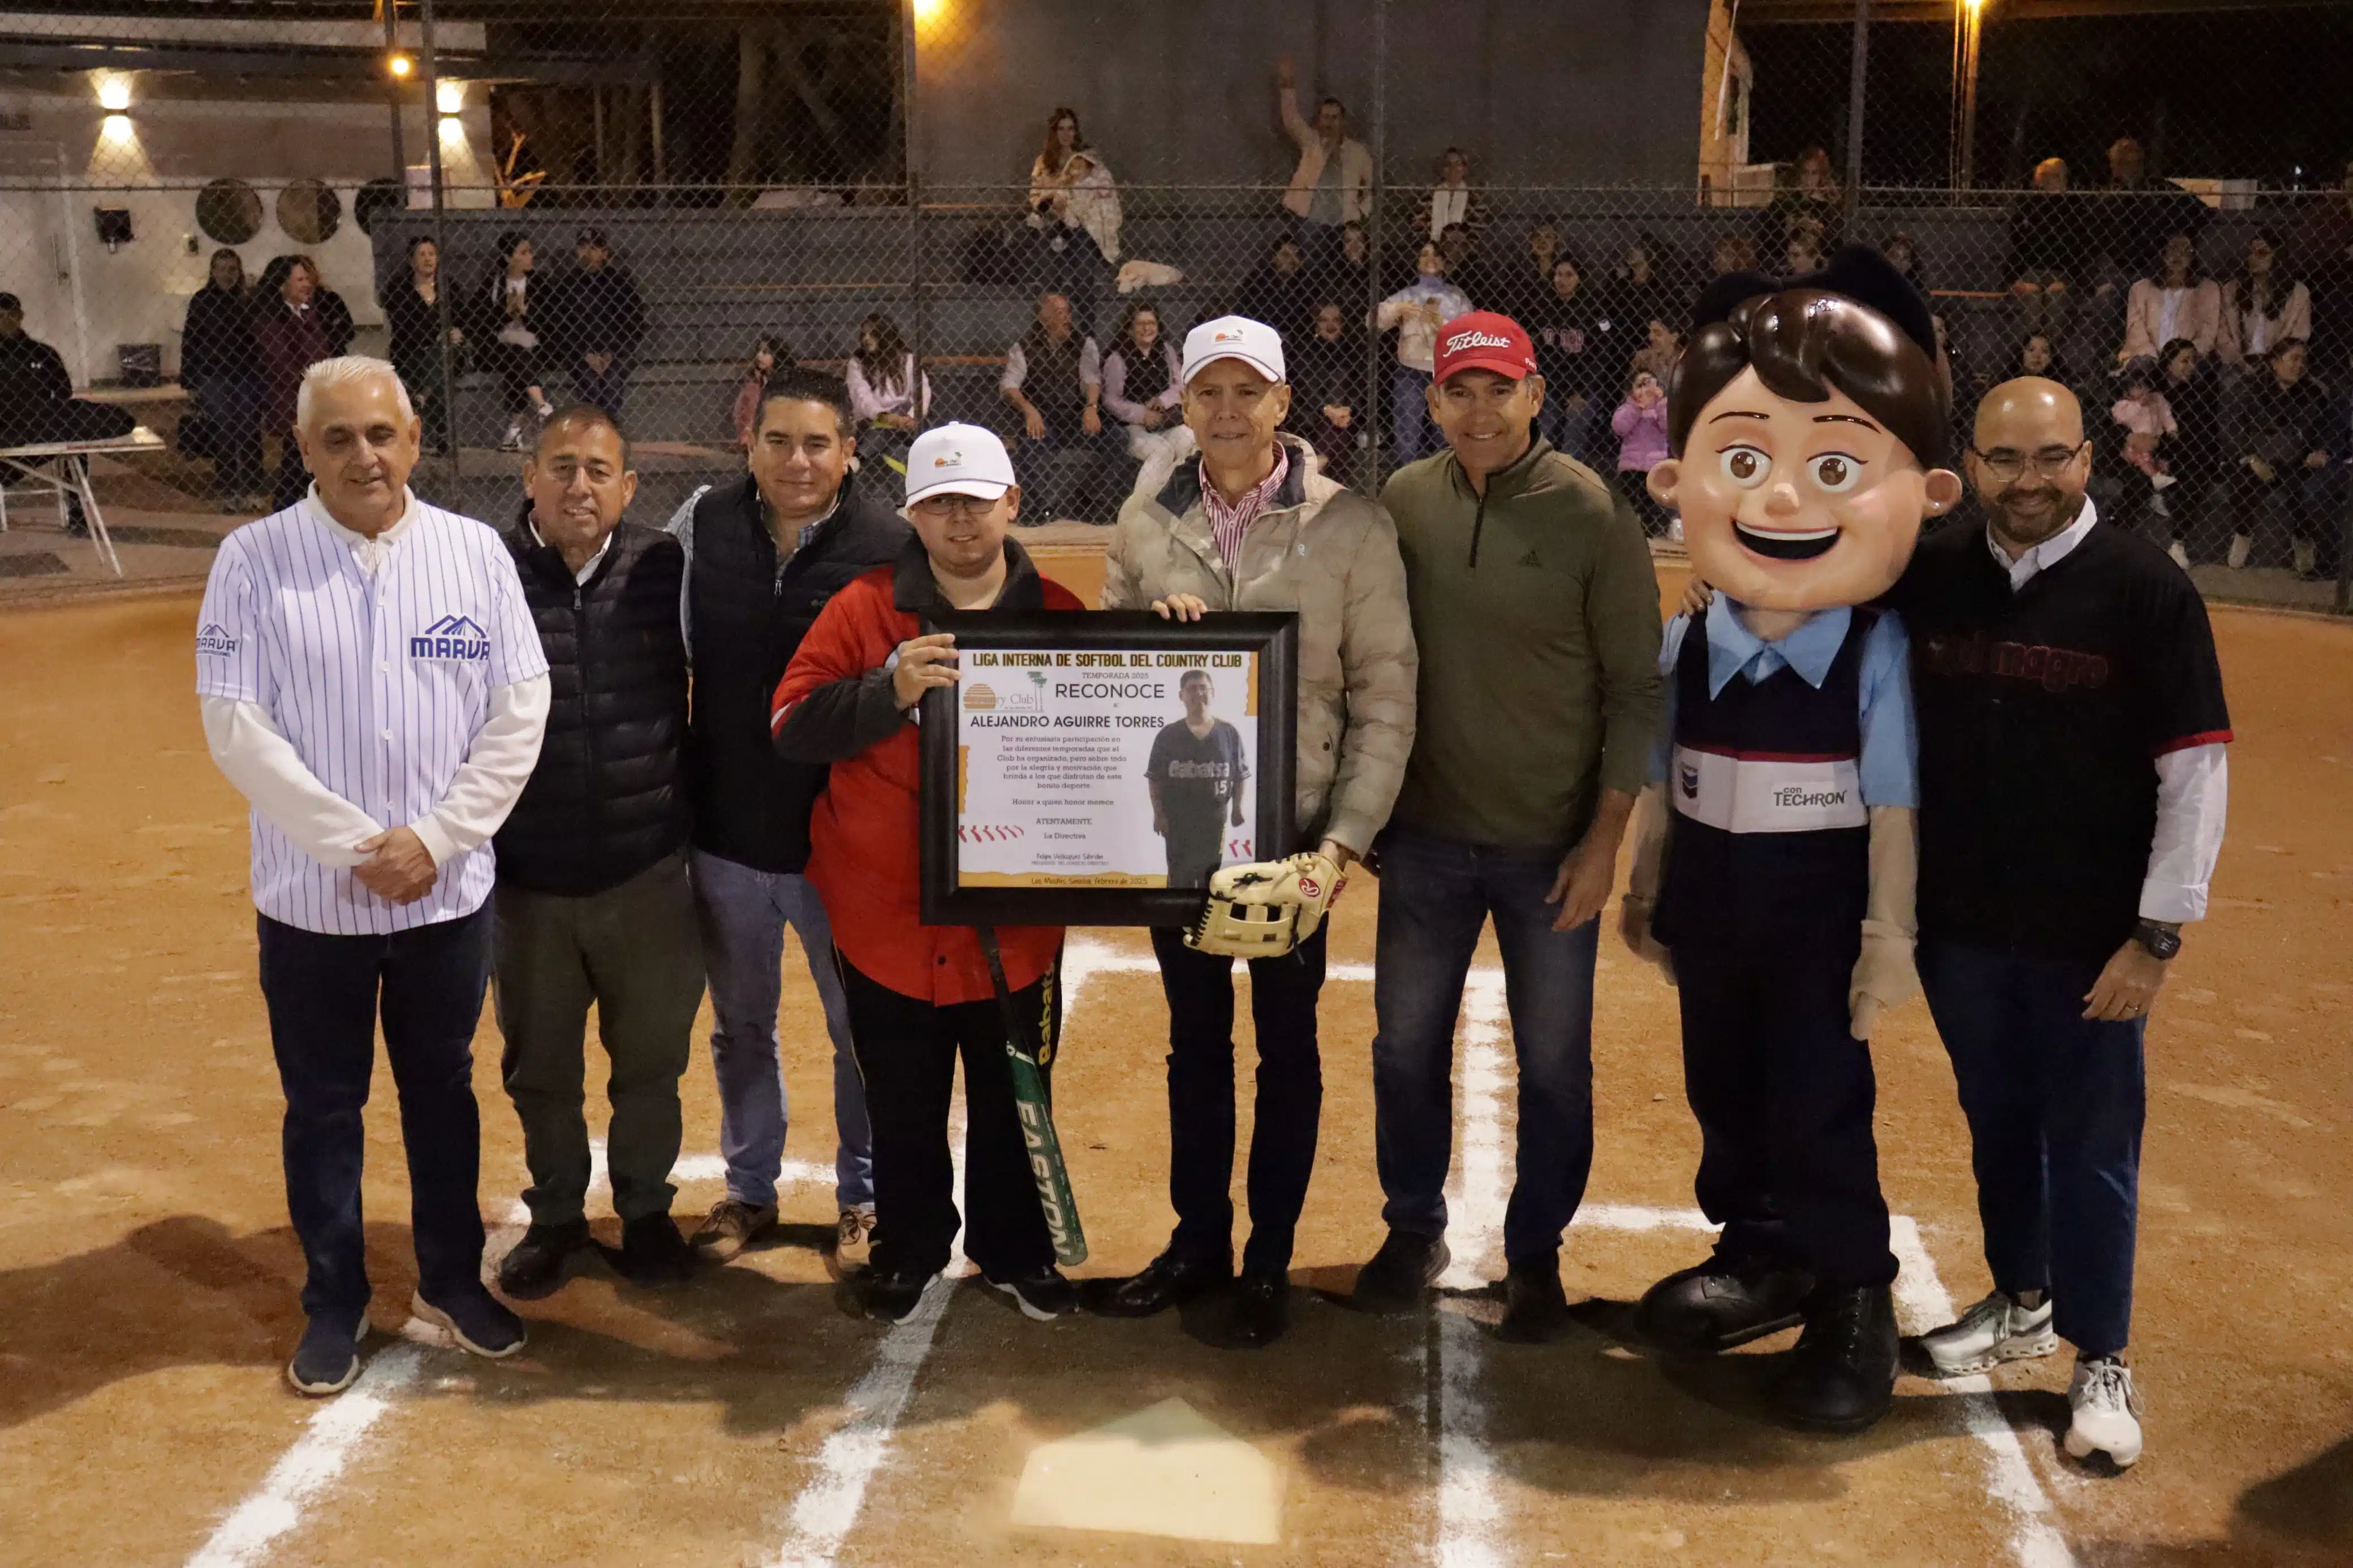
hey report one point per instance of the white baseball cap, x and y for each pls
(1254, 343)
(957, 460)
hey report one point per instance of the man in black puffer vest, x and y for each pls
(592, 903)
(763, 555)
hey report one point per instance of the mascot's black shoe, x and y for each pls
(1841, 1377)
(1722, 1303)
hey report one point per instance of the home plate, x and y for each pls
(1164, 1471)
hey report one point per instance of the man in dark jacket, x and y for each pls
(762, 557)
(36, 400)
(592, 898)
(599, 317)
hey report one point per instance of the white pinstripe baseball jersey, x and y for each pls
(380, 681)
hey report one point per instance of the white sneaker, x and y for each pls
(2108, 1411)
(513, 440)
(853, 1238)
(1996, 1330)
(2180, 556)
(2240, 547)
(2160, 481)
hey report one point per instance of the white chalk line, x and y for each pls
(329, 1439)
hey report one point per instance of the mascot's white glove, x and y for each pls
(1266, 909)
(1886, 976)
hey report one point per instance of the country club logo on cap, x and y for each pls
(1254, 343)
(1227, 335)
(952, 459)
(958, 460)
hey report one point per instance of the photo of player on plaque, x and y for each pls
(1101, 770)
(1196, 775)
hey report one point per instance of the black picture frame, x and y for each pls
(1274, 636)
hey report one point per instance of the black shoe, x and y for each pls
(892, 1293)
(1168, 1280)
(653, 1254)
(328, 1359)
(475, 1319)
(1261, 1311)
(538, 1265)
(1841, 1377)
(1401, 1274)
(1722, 1303)
(1042, 1296)
(77, 526)
(1536, 1309)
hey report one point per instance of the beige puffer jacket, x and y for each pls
(1332, 555)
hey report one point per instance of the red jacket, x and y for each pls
(835, 705)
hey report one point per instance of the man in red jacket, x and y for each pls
(919, 994)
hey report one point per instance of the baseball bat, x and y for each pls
(1038, 1135)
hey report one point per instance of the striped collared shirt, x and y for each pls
(377, 660)
(1229, 524)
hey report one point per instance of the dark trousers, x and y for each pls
(293, 478)
(324, 994)
(607, 390)
(907, 1051)
(1634, 484)
(1784, 1096)
(232, 412)
(2055, 1103)
(1075, 475)
(1289, 1103)
(1437, 894)
(633, 952)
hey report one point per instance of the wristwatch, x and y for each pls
(2161, 939)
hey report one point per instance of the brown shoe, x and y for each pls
(733, 1225)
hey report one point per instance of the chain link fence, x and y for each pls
(649, 203)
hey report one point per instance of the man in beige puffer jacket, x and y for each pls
(1251, 525)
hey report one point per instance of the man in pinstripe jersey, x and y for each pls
(372, 681)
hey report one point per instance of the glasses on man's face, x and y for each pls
(942, 508)
(2006, 463)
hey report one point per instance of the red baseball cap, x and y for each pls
(1484, 340)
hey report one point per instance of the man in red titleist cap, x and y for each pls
(1536, 614)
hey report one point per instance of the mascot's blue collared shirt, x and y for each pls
(1890, 764)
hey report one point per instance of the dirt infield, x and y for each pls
(148, 1277)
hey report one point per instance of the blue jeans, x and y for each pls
(1436, 895)
(2055, 1103)
(324, 994)
(1409, 415)
(743, 914)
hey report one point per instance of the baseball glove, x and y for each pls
(1265, 910)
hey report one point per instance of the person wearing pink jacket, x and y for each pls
(1640, 423)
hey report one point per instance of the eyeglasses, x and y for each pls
(2049, 462)
(945, 507)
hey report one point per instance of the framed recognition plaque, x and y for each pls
(1096, 769)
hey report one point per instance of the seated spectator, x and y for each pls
(221, 368)
(2263, 307)
(1053, 377)
(1143, 387)
(1278, 290)
(2145, 420)
(334, 317)
(291, 337)
(412, 319)
(1451, 201)
(1731, 253)
(1518, 288)
(1904, 257)
(1459, 251)
(1075, 208)
(1803, 252)
(1578, 352)
(1661, 347)
(2280, 455)
(1415, 313)
(510, 336)
(745, 414)
(598, 319)
(2047, 242)
(1640, 423)
(1327, 386)
(2137, 216)
(2322, 255)
(2195, 452)
(37, 401)
(1332, 184)
(1812, 197)
(1637, 289)
(883, 395)
(2176, 301)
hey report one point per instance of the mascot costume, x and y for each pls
(1775, 851)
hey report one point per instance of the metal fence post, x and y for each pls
(429, 69)
(1370, 426)
(912, 173)
(392, 94)
(1857, 70)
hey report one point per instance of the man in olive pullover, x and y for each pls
(1536, 612)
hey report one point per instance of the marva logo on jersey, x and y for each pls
(451, 637)
(214, 640)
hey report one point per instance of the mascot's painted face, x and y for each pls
(1795, 505)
